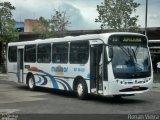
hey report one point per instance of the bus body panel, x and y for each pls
(61, 76)
(12, 72)
(58, 76)
(128, 86)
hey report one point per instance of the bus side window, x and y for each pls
(12, 54)
(60, 52)
(79, 52)
(30, 53)
(44, 53)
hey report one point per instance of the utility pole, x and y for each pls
(146, 17)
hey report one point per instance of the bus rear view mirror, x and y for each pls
(110, 52)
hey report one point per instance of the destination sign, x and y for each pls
(119, 39)
(135, 39)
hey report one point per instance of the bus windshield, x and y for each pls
(131, 60)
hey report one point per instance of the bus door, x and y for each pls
(20, 64)
(96, 72)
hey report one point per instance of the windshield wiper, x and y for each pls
(124, 50)
(127, 51)
(134, 54)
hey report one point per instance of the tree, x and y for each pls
(59, 21)
(42, 27)
(7, 30)
(117, 15)
(56, 26)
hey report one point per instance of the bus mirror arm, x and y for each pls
(109, 61)
(110, 52)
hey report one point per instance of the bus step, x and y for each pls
(93, 90)
(100, 91)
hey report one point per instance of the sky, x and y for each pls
(82, 13)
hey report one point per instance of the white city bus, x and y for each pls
(117, 64)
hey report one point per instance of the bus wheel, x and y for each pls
(31, 82)
(82, 90)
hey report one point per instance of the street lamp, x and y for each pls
(146, 17)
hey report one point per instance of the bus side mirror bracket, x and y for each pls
(110, 52)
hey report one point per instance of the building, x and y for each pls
(20, 26)
(28, 25)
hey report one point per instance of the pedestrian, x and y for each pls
(158, 66)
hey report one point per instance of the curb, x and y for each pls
(156, 85)
(3, 75)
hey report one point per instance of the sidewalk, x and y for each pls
(3, 76)
(156, 87)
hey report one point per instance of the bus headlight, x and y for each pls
(117, 81)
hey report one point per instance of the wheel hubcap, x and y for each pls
(80, 89)
(31, 83)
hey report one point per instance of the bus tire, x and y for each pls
(81, 89)
(31, 82)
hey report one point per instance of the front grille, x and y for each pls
(131, 89)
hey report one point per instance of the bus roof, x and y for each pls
(103, 36)
(154, 41)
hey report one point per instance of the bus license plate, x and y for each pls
(135, 87)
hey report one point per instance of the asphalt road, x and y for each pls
(17, 99)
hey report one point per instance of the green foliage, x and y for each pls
(56, 26)
(59, 21)
(117, 15)
(7, 30)
(42, 27)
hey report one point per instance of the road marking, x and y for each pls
(8, 111)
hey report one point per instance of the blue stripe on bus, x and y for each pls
(65, 88)
(69, 88)
(45, 80)
(39, 81)
(54, 82)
